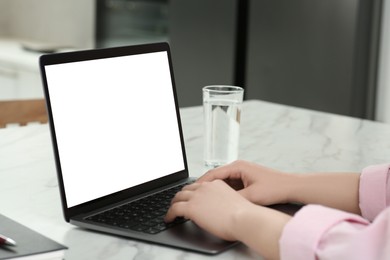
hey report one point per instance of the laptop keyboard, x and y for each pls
(143, 215)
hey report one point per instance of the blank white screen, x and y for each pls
(115, 122)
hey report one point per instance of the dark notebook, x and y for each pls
(29, 243)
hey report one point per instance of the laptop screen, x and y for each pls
(115, 122)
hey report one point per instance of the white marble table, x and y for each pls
(282, 137)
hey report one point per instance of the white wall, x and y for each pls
(383, 93)
(69, 22)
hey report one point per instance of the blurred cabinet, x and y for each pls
(19, 72)
(19, 84)
(202, 38)
(8, 82)
(315, 54)
(29, 85)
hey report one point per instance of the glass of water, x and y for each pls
(222, 112)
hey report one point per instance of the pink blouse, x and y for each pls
(317, 232)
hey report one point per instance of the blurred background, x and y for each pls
(331, 56)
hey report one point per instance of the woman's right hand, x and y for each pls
(258, 184)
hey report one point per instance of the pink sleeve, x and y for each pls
(317, 232)
(349, 240)
(302, 234)
(374, 190)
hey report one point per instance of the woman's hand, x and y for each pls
(211, 205)
(258, 184)
(220, 210)
(265, 186)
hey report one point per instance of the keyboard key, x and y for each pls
(144, 215)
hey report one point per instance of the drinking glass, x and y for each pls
(222, 113)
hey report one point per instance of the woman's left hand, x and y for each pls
(211, 205)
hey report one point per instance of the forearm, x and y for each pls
(260, 228)
(336, 190)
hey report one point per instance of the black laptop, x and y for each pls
(118, 143)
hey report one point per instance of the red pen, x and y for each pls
(7, 241)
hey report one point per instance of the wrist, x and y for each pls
(336, 190)
(238, 219)
(301, 188)
(260, 228)
(292, 186)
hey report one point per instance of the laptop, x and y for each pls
(118, 143)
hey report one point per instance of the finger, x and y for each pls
(229, 171)
(176, 210)
(183, 195)
(244, 193)
(221, 173)
(191, 187)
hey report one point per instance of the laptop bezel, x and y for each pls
(93, 54)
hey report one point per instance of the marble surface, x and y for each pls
(287, 138)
